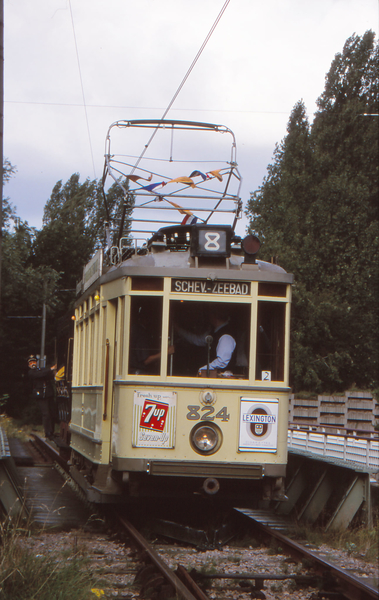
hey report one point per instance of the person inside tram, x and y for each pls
(220, 339)
(143, 359)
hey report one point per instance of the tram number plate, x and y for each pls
(194, 414)
(204, 286)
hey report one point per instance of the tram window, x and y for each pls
(190, 321)
(270, 340)
(272, 289)
(147, 284)
(145, 335)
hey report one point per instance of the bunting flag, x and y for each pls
(187, 180)
(189, 220)
(198, 174)
(135, 178)
(216, 174)
(152, 186)
(183, 179)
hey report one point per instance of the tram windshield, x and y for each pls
(207, 338)
(207, 332)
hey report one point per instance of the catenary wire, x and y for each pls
(150, 108)
(82, 87)
(183, 81)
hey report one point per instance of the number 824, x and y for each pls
(194, 414)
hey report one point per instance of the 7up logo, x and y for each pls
(153, 415)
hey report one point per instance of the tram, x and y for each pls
(154, 413)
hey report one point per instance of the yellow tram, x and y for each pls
(152, 410)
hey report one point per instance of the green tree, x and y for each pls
(67, 239)
(44, 266)
(286, 192)
(322, 221)
(24, 290)
(73, 226)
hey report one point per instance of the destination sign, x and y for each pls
(201, 286)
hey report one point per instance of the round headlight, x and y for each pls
(206, 439)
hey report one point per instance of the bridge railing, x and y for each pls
(343, 446)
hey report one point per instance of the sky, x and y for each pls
(73, 67)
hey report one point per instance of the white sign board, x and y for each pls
(258, 425)
(154, 419)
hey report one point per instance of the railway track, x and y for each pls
(325, 579)
(344, 584)
(163, 570)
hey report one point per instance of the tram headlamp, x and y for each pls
(250, 245)
(206, 439)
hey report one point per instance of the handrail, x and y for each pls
(336, 430)
(362, 451)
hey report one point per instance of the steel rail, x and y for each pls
(351, 587)
(180, 588)
(46, 448)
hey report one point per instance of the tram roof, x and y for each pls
(181, 264)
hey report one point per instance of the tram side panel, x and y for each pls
(92, 379)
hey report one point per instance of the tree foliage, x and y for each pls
(43, 267)
(73, 226)
(317, 210)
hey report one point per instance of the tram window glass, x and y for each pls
(270, 340)
(195, 318)
(147, 284)
(272, 289)
(145, 335)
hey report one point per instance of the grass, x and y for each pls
(25, 575)
(14, 429)
(360, 543)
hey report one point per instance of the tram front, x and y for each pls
(181, 369)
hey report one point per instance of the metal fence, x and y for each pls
(360, 450)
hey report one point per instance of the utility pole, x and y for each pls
(1, 130)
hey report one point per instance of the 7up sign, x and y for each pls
(154, 419)
(153, 415)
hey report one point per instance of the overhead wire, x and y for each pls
(150, 108)
(218, 18)
(82, 87)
